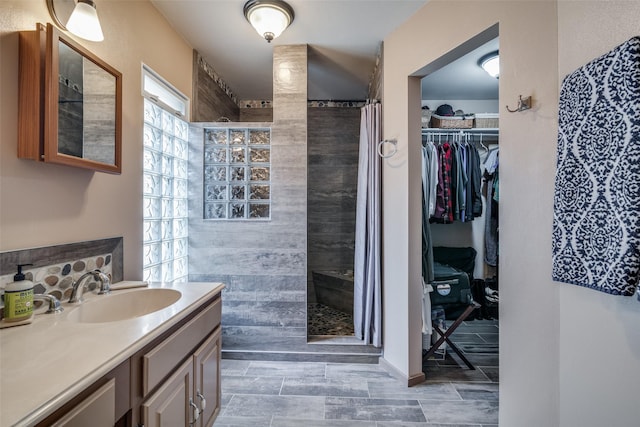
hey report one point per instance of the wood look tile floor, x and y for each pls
(317, 394)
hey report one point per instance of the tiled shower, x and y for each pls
(263, 262)
(260, 227)
(333, 142)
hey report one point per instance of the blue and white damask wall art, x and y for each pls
(596, 222)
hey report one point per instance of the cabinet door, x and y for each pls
(207, 379)
(97, 410)
(162, 359)
(172, 405)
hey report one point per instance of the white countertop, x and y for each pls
(49, 361)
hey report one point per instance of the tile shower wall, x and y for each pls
(264, 263)
(333, 175)
(256, 111)
(212, 98)
(256, 114)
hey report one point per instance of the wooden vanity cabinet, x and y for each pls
(206, 381)
(98, 405)
(172, 404)
(176, 379)
(191, 396)
(173, 381)
(97, 409)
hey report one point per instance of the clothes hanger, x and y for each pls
(482, 143)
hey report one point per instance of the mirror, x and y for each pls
(83, 117)
(82, 107)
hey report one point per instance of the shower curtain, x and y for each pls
(367, 310)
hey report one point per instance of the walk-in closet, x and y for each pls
(460, 205)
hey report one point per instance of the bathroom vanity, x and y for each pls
(157, 368)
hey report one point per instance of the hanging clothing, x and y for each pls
(444, 193)
(427, 247)
(459, 184)
(429, 176)
(429, 181)
(451, 190)
(474, 189)
(491, 221)
(453, 178)
(427, 324)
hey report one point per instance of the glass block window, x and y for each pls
(165, 194)
(237, 174)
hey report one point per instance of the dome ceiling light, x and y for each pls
(83, 20)
(491, 64)
(269, 17)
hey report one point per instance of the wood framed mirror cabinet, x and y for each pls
(70, 103)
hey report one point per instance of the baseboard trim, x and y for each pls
(416, 379)
(411, 380)
(288, 356)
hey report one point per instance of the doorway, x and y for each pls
(460, 113)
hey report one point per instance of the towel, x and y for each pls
(596, 222)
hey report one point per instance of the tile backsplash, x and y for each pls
(54, 268)
(56, 279)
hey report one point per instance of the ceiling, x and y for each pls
(343, 37)
(463, 78)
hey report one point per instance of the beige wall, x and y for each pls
(569, 356)
(599, 334)
(529, 393)
(44, 204)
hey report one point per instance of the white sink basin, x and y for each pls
(122, 306)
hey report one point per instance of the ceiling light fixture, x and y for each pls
(269, 17)
(84, 21)
(491, 64)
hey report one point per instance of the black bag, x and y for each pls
(461, 258)
(451, 290)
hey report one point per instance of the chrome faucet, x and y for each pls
(77, 290)
(52, 301)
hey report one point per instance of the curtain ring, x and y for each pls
(387, 141)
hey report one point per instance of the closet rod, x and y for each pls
(471, 135)
(470, 131)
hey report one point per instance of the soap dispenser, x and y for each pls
(18, 298)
